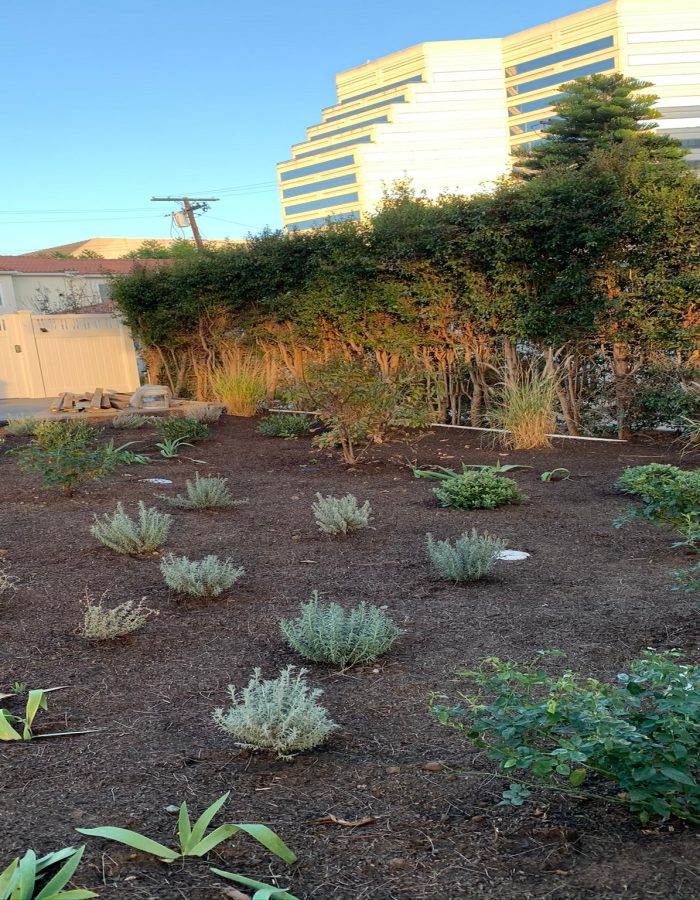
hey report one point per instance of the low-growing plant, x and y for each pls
(194, 839)
(478, 490)
(208, 413)
(102, 623)
(687, 580)
(55, 434)
(24, 426)
(121, 533)
(559, 474)
(203, 493)
(262, 891)
(340, 515)
(7, 582)
(471, 557)
(65, 468)
(121, 456)
(285, 425)
(670, 496)
(328, 633)
(635, 741)
(20, 728)
(441, 473)
(27, 877)
(207, 578)
(279, 714)
(131, 421)
(170, 449)
(172, 428)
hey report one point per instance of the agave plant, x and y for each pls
(19, 880)
(193, 839)
(36, 700)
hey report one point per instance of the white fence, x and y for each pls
(42, 356)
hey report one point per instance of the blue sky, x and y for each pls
(106, 104)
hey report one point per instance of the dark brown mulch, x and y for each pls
(598, 593)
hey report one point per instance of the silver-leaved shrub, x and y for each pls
(470, 557)
(206, 578)
(340, 515)
(121, 533)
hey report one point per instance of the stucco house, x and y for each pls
(42, 285)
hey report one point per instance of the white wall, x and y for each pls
(60, 291)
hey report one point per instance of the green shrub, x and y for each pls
(687, 580)
(131, 420)
(285, 425)
(327, 633)
(470, 557)
(203, 493)
(22, 427)
(57, 434)
(175, 429)
(123, 534)
(478, 490)
(101, 623)
(280, 714)
(339, 515)
(640, 735)
(669, 495)
(208, 577)
(65, 468)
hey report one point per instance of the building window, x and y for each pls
(385, 87)
(320, 137)
(317, 167)
(105, 291)
(532, 105)
(319, 185)
(364, 109)
(340, 200)
(560, 77)
(317, 223)
(559, 56)
(361, 139)
(535, 125)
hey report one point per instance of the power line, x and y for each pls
(190, 205)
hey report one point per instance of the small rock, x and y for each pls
(173, 810)
(435, 766)
(392, 770)
(397, 863)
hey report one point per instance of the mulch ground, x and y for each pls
(436, 831)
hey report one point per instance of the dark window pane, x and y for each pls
(561, 77)
(385, 87)
(320, 137)
(317, 167)
(316, 223)
(340, 200)
(363, 109)
(319, 185)
(559, 56)
(360, 139)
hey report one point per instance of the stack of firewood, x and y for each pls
(97, 399)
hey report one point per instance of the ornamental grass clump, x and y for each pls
(241, 386)
(203, 493)
(328, 633)
(525, 409)
(101, 623)
(470, 557)
(123, 534)
(280, 714)
(172, 428)
(24, 426)
(478, 490)
(340, 515)
(206, 578)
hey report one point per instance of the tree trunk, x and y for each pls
(623, 388)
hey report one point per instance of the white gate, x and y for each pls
(42, 356)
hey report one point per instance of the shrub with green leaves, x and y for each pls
(206, 578)
(470, 557)
(102, 623)
(340, 515)
(328, 633)
(24, 426)
(118, 531)
(55, 434)
(634, 741)
(285, 425)
(65, 468)
(670, 496)
(687, 580)
(172, 428)
(203, 493)
(478, 490)
(279, 714)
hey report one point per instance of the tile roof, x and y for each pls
(40, 265)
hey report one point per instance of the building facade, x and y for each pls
(448, 114)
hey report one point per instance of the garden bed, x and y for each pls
(437, 829)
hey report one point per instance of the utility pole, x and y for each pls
(190, 205)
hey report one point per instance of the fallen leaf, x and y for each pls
(348, 823)
(234, 894)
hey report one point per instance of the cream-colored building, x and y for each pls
(448, 114)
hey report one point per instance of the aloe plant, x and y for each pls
(36, 700)
(19, 880)
(193, 839)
